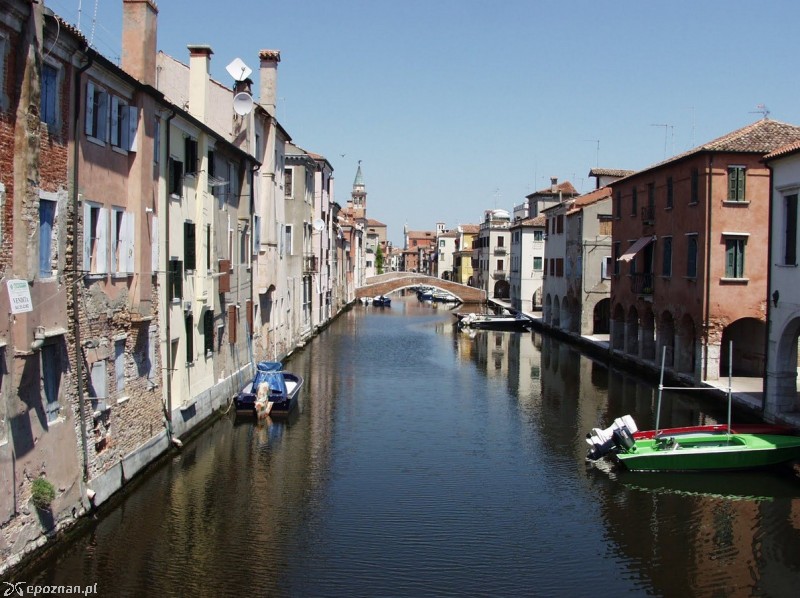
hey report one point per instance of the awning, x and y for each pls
(640, 244)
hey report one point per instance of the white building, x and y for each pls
(527, 263)
(492, 250)
(783, 300)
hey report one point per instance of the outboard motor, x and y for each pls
(623, 439)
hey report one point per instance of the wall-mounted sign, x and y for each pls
(19, 296)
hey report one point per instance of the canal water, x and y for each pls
(426, 461)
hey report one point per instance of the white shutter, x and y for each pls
(89, 108)
(133, 129)
(87, 237)
(115, 120)
(102, 241)
(154, 244)
(128, 221)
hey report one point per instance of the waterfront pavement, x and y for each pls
(746, 392)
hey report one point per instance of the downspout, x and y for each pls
(764, 382)
(167, 303)
(707, 316)
(76, 277)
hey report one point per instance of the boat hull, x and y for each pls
(710, 452)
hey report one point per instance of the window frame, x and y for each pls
(46, 238)
(49, 113)
(737, 183)
(735, 246)
(691, 257)
(666, 257)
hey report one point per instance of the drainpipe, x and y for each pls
(707, 309)
(769, 291)
(76, 276)
(167, 310)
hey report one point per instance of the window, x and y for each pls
(618, 204)
(694, 194)
(47, 217)
(95, 239)
(189, 338)
(122, 232)
(208, 331)
(560, 224)
(120, 123)
(670, 192)
(190, 154)
(500, 242)
(119, 364)
(691, 255)
(288, 178)
(634, 201)
(666, 256)
(736, 178)
(559, 266)
(51, 379)
(790, 231)
(734, 257)
(606, 267)
(96, 125)
(175, 279)
(538, 235)
(97, 382)
(500, 265)
(288, 239)
(537, 264)
(48, 111)
(156, 140)
(189, 247)
(175, 177)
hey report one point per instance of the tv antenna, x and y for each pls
(597, 151)
(242, 101)
(319, 224)
(762, 110)
(667, 128)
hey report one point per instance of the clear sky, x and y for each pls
(459, 106)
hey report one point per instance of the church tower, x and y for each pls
(359, 195)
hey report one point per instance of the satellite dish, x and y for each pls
(319, 224)
(238, 70)
(242, 103)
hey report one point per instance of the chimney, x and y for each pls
(553, 184)
(139, 36)
(268, 75)
(199, 63)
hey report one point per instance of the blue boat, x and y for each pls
(382, 301)
(272, 391)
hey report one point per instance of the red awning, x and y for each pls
(640, 244)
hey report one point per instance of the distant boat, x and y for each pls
(495, 321)
(381, 301)
(272, 391)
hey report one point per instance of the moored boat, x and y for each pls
(381, 301)
(271, 392)
(495, 321)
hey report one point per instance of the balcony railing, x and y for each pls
(500, 250)
(642, 284)
(309, 264)
(499, 274)
(648, 214)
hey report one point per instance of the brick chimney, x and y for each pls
(553, 184)
(199, 67)
(268, 76)
(139, 37)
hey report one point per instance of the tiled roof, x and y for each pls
(593, 197)
(761, 137)
(610, 172)
(373, 222)
(470, 228)
(451, 234)
(564, 188)
(535, 221)
(784, 150)
(421, 234)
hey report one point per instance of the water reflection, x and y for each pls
(424, 460)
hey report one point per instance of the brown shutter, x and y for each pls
(225, 276)
(249, 313)
(232, 324)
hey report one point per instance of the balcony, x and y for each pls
(499, 274)
(309, 264)
(500, 250)
(642, 284)
(648, 214)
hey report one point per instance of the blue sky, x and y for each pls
(458, 106)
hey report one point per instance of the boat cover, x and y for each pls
(267, 384)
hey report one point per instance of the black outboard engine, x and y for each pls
(623, 439)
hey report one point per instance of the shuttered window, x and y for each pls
(175, 279)
(232, 324)
(736, 178)
(790, 241)
(190, 338)
(691, 256)
(734, 258)
(189, 246)
(208, 331)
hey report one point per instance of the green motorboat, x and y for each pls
(707, 452)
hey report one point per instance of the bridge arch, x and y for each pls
(390, 282)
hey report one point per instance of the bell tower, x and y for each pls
(359, 194)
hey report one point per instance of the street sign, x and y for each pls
(19, 296)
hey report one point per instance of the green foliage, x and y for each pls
(379, 260)
(43, 493)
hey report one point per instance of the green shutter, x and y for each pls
(730, 259)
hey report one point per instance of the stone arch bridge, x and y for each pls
(383, 284)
